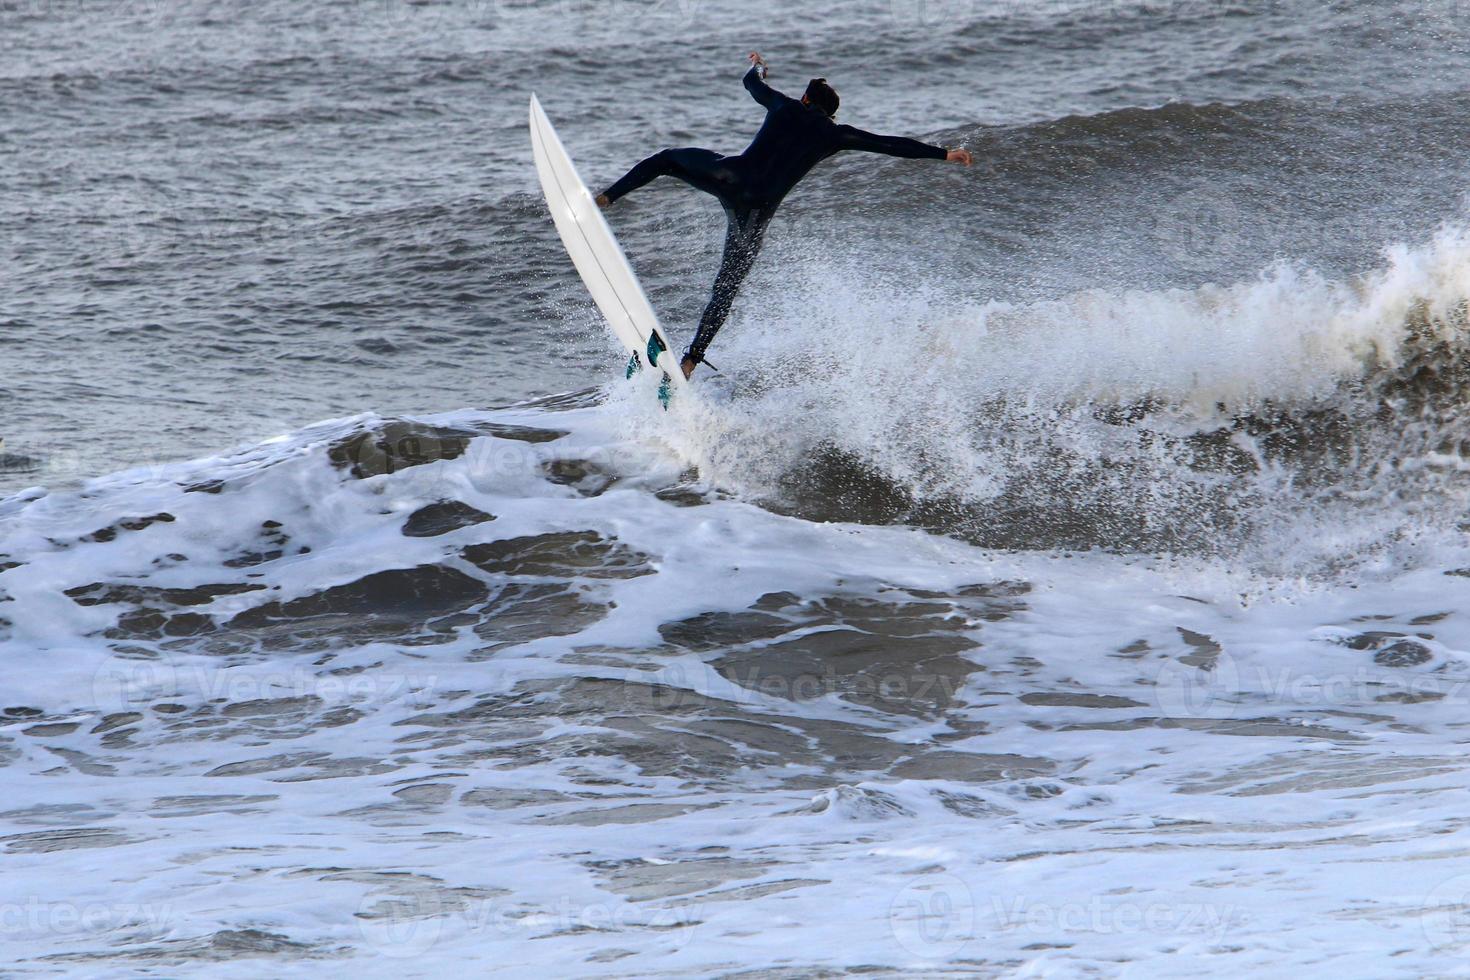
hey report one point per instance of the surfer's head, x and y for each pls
(821, 95)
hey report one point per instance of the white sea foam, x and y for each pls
(1141, 768)
(748, 739)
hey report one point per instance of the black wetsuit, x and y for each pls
(793, 140)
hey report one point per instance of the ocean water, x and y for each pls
(1066, 574)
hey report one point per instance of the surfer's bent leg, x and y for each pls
(701, 169)
(743, 238)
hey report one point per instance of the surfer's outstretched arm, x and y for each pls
(755, 84)
(852, 138)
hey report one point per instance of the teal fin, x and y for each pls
(663, 392)
(634, 365)
(655, 348)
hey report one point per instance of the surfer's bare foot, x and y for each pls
(603, 202)
(688, 365)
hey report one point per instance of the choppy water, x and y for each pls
(1065, 575)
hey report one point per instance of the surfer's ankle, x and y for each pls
(603, 202)
(688, 364)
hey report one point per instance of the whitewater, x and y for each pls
(1065, 573)
(547, 688)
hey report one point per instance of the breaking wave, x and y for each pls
(1203, 419)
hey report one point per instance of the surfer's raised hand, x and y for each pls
(756, 59)
(603, 202)
(959, 156)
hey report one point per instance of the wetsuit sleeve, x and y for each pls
(760, 91)
(852, 138)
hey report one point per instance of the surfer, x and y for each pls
(796, 135)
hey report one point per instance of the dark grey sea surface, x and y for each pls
(220, 221)
(1064, 575)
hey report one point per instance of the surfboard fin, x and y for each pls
(655, 348)
(634, 365)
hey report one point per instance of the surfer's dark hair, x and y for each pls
(822, 95)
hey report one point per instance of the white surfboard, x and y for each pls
(594, 251)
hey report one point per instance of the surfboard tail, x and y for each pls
(593, 248)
